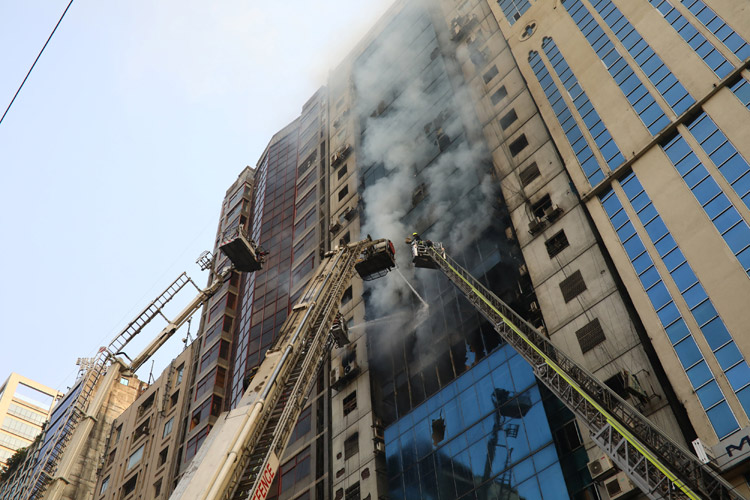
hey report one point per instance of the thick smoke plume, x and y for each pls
(414, 118)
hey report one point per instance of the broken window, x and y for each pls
(343, 193)
(590, 335)
(572, 286)
(163, 456)
(529, 173)
(498, 95)
(556, 244)
(348, 295)
(351, 446)
(419, 194)
(518, 145)
(146, 405)
(350, 403)
(508, 120)
(617, 384)
(568, 437)
(540, 207)
(141, 430)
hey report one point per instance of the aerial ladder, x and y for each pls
(240, 457)
(45, 472)
(659, 467)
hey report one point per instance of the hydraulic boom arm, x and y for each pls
(661, 468)
(240, 457)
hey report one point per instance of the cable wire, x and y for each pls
(35, 61)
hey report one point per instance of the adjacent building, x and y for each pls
(145, 445)
(25, 405)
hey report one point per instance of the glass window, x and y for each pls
(716, 333)
(167, 428)
(699, 374)
(739, 376)
(136, 456)
(728, 356)
(688, 352)
(722, 419)
(709, 394)
(677, 331)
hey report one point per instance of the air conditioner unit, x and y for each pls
(602, 466)
(351, 368)
(335, 225)
(348, 214)
(619, 487)
(536, 225)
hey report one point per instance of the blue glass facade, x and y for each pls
(725, 217)
(485, 435)
(719, 28)
(741, 89)
(578, 142)
(648, 110)
(603, 139)
(514, 9)
(680, 336)
(712, 57)
(723, 154)
(660, 76)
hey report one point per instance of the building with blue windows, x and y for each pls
(647, 103)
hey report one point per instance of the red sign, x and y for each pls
(266, 478)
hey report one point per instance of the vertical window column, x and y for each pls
(599, 132)
(718, 411)
(665, 82)
(723, 154)
(513, 9)
(643, 103)
(710, 323)
(694, 38)
(741, 89)
(725, 217)
(719, 28)
(577, 141)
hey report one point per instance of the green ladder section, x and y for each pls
(661, 468)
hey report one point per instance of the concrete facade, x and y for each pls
(142, 446)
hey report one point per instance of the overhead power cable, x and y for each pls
(35, 61)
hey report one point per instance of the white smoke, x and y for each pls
(404, 108)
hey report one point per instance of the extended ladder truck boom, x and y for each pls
(658, 466)
(45, 473)
(240, 456)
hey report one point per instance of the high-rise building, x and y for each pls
(585, 160)
(24, 407)
(647, 102)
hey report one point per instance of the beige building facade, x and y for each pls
(142, 452)
(657, 93)
(25, 405)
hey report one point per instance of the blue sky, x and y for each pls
(117, 152)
